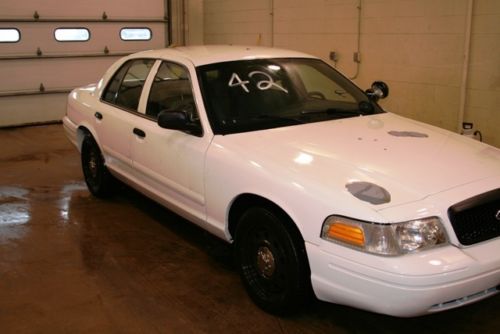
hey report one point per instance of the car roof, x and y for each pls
(208, 54)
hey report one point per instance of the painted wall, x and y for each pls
(416, 46)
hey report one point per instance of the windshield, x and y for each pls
(250, 95)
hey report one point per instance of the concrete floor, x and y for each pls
(71, 263)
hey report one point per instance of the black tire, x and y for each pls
(97, 177)
(272, 261)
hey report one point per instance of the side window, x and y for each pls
(124, 89)
(111, 91)
(171, 90)
(320, 86)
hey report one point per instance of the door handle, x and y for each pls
(98, 115)
(139, 132)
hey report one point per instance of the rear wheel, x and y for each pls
(272, 261)
(97, 177)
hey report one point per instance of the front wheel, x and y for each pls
(97, 177)
(272, 261)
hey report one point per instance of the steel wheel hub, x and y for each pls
(93, 164)
(265, 262)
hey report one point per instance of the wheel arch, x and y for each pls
(299, 289)
(81, 132)
(245, 201)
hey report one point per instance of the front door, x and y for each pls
(171, 163)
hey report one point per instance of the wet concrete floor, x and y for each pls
(72, 263)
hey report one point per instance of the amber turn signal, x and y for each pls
(346, 233)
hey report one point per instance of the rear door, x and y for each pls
(117, 119)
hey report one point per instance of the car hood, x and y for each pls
(409, 159)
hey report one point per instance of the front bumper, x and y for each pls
(405, 286)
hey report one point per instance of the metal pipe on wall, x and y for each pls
(185, 23)
(465, 65)
(357, 54)
(168, 16)
(177, 19)
(272, 23)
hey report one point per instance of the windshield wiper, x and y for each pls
(289, 120)
(333, 112)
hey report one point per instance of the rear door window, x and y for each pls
(125, 88)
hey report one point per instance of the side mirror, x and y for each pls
(379, 90)
(178, 120)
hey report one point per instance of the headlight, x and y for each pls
(385, 239)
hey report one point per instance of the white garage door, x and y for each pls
(48, 47)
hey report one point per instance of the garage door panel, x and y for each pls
(53, 73)
(38, 58)
(87, 8)
(41, 35)
(31, 109)
(109, 35)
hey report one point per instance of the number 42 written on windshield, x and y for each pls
(264, 84)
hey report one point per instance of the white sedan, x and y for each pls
(321, 191)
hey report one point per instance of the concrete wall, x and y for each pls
(416, 46)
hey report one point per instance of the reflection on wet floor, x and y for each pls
(14, 206)
(67, 192)
(14, 212)
(73, 263)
